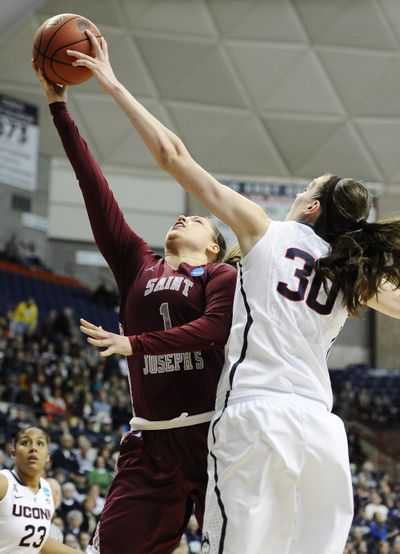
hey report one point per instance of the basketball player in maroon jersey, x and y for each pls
(175, 314)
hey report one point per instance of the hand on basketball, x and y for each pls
(114, 344)
(99, 65)
(54, 93)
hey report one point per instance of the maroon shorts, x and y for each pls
(160, 477)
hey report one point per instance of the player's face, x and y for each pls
(31, 452)
(193, 231)
(304, 202)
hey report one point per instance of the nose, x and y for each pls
(182, 218)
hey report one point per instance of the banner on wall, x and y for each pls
(19, 140)
(276, 198)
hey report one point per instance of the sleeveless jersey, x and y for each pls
(25, 517)
(284, 323)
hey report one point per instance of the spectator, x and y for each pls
(98, 500)
(396, 545)
(64, 326)
(69, 501)
(105, 295)
(25, 318)
(378, 527)
(376, 506)
(71, 541)
(383, 547)
(89, 519)
(100, 475)
(85, 453)
(74, 522)
(101, 405)
(84, 538)
(64, 457)
(55, 530)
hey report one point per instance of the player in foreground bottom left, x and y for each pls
(26, 502)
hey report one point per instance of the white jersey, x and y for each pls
(25, 517)
(284, 323)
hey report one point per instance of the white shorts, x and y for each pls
(279, 477)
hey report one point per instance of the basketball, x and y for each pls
(52, 40)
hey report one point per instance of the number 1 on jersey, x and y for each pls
(164, 311)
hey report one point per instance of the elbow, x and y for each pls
(171, 153)
(167, 158)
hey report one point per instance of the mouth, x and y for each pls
(178, 224)
(33, 459)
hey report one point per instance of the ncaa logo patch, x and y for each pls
(197, 271)
(46, 491)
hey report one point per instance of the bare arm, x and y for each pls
(51, 546)
(3, 486)
(247, 219)
(387, 301)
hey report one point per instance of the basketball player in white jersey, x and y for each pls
(26, 502)
(279, 478)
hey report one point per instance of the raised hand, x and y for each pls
(99, 65)
(54, 93)
(114, 344)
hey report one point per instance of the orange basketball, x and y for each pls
(54, 37)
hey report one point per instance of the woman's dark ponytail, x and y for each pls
(363, 255)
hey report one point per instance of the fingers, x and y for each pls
(104, 46)
(106, 353)
(95, 43)
(79, 55)
(100, 342)
(96, 334)
(88, 324)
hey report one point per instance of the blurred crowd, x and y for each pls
(376, 524)
(375, 404)
(49, 377)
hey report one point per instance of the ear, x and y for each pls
(213, 248)
(313, 206)
(313, 210)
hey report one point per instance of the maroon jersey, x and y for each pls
(177, 320)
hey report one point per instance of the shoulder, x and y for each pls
(3, 485)
(221, 269)
(286, 231)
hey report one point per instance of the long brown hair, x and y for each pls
(363, 255)
(233, 255)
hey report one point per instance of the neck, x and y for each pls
(174, 260)
(29, 481)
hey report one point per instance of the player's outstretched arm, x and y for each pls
(246, 218)
(51, 546)
(54, 93)
(386, 301)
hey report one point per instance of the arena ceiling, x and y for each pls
(285, 88)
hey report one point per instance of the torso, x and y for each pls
(25, 517)
(283, 324)
(160, 297)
